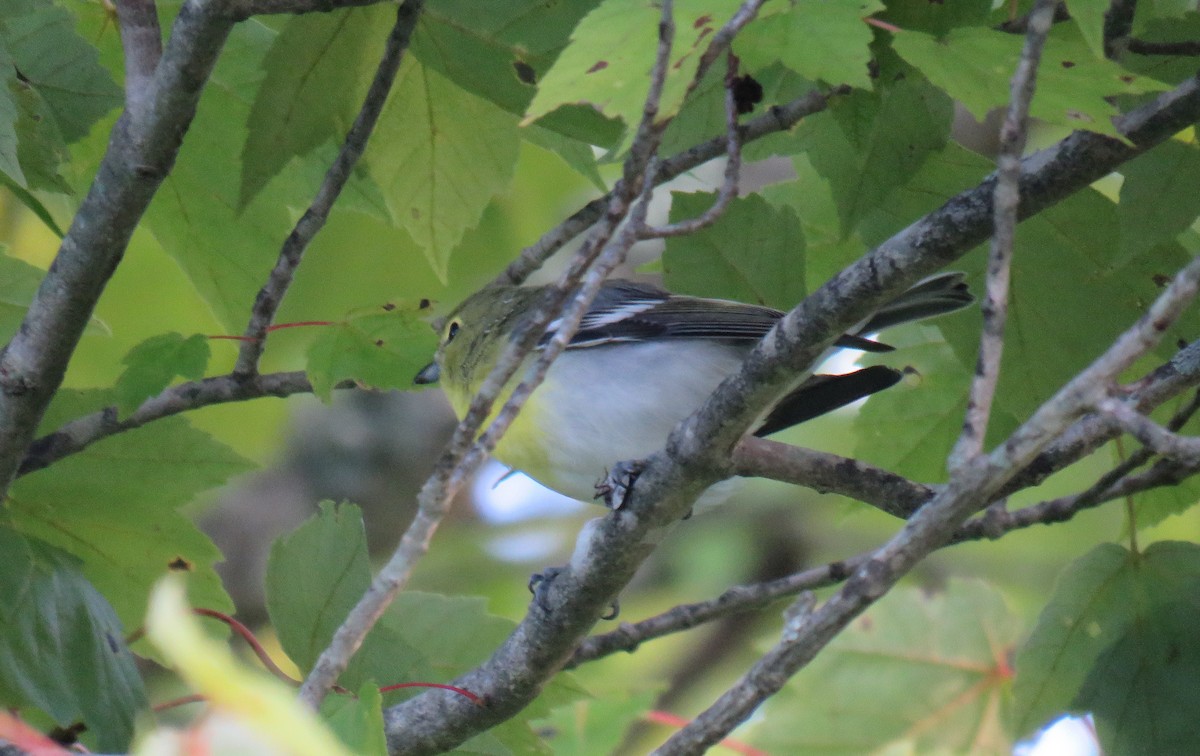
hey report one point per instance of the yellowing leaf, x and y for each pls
(262, 704)
(608, 61)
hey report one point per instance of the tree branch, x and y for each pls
(271, 295)
(1189, 48)
(1007, 197)
(141, 42)
(733, 168)
(1118, 24)
(780, 118)
(969, 489)
(82, 432)
(830, 473)
(610, 549)
(141, 152)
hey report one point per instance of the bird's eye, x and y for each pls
(452, 330)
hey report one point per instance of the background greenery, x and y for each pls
(470, 163)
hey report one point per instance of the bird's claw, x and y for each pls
(617, 484)
(539, 586)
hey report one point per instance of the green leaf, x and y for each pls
(358, 720)
(1088, 18)
(40, 148)
(315, 576)
(18, 283)
(868, 144)
(827, 251)
(62, 67)
(818, 40)
(608, 61)
(1072, 292)
(10, 165)
(61, 645)
(114, 506)
(316, 73)
(440, 154)
(912, 426)
(753, 253)
(578, 155)
(227, 253)
(383, 349)
(153, 364)
(1157, 201)
(500, 51)
(857, 696)
(937, 18)
(974, 66)
(33, 203)
(1118, 639)
(595, 725)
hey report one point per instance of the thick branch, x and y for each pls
(141, 152)
(830, 473)
(696, 457)
(141, 42)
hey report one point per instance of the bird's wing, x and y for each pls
(626, 311)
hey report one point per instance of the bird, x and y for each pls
(642, 360)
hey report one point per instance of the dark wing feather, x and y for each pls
(825, 393)
(626, 311)
(936, 295)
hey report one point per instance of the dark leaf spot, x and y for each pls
(1160, 280)
(705, 19)
(1076, 115)
(424, 304)
(1068, 64)
(379, 342)
(600, 65)
(1128, 79)
(389, 306)
(525, 72)
(179, 564)
(747, 93)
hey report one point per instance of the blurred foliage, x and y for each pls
(505, 118)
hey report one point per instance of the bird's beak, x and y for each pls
(429, 374)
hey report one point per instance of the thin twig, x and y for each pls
(1152, 435)
(1188, 48)
(736, 600)
(778, 118)
(313, 220)
(463, 454)
(992, 525)
(1118, 24)
(733, 167)
(935, 524)
(141, 151)
(1006, 200)
(82, 432)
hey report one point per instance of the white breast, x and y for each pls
(619, 402)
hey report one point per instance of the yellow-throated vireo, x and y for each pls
(642, 360)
